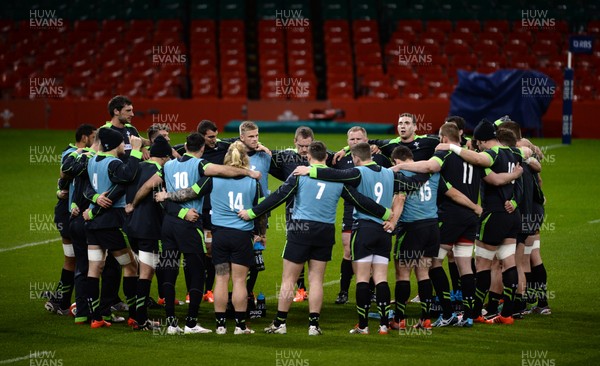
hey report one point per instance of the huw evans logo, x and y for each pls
(44, 19)
(536, 18)
(537, 87)
(413, 55)
(45, 88)
(168, 55)
(290, 19)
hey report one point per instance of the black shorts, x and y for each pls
(77, 231)
(181, 235)
(369, 238)
(458, 228)
(417, 240)
(308, 240)
(232, 246)
(347, 219)
(62, 217)
(299, 253)
(496, 226)
(110, 239)
(145, 245)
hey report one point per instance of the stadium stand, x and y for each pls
(337, 50)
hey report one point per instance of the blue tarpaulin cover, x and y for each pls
(524, 95)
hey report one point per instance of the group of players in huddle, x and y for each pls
(142, 207)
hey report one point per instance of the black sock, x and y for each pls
(530, 288)
(346, 273)
(454, 276)
(169, 267)
(426, 297)
(280, 318)
(93, 294)
(541, 277)
(483, 279)
(401, 293)
(300, 282)
(129, 290)
(240, 319)
(251, 280)
(210, 274)
(111, 281)
(220, 319)
(159, 281)
(142, 293)
(468, 290)
(510, 280)
(194, 267)
(65, 288)
(191, 321)
(363, 303)
(442, 289)
(83, 310)
(519, 303)
(382, 291)
(313, 319)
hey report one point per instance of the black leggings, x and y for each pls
(193, 267)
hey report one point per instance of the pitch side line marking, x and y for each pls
(594, 221)
(551, 147)
(15, 359)
(29, 245)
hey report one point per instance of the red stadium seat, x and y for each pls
(524, 37)
(410, 26)
(169, 26)
(468, 26)
(465, 60)
(546, 50)
(516, 48)
(487, 48)
(415, 92)
(522, 61)
(340, 92)
(113, 26)
(146, 26)
(461, 37)
(495, 37)
(437, 37)
(456, 48)
(85, 26)
(496, 26)
(444, 26)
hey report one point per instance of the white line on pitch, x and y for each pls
(550, 147)
(594, 221)
(29, 245)
(15, 359)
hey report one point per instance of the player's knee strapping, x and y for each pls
(68, 250)
(149, 258)
(123, 259)
(96, 255)
(485, 253)
(442, 253)
(505, 251)
(462, 251)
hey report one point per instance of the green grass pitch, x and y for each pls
(30, 335)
